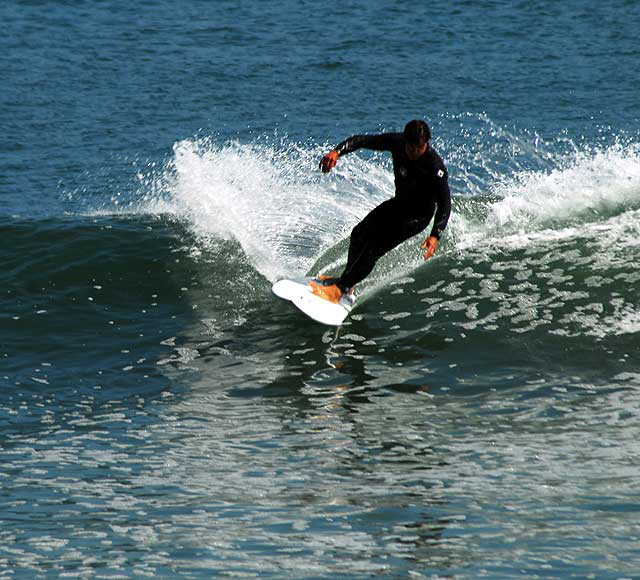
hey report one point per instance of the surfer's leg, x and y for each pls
(369, 249)
(367, 229)
(361, 256)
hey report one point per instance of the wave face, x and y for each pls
(543, 239)
(518, 201)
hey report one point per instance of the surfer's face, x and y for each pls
(414, 151)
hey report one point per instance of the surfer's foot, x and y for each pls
(331, 292)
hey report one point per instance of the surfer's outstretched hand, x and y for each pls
(431, 245)
(329, 161)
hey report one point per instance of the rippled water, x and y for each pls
(163, 415)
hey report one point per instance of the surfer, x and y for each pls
(422, 190)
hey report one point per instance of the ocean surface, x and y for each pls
(162, 415)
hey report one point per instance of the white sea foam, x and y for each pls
(273, 201)
(580, 195)
(586, 184)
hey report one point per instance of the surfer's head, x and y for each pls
(416, 137)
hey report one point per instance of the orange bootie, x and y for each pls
(331, 293)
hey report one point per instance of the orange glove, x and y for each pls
(329, 161)
(431, 245)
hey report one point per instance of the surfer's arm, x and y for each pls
(381, 142)
(443, 211)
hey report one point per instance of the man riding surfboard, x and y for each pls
(422, 190)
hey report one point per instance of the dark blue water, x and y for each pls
(163, 415)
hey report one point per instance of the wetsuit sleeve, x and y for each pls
(382, 142)
(443, 201)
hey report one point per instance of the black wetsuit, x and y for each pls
(422, 189)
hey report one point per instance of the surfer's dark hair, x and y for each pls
(417, 132)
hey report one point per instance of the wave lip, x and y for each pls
(273, 201)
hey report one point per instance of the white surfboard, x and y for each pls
(299, 292)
